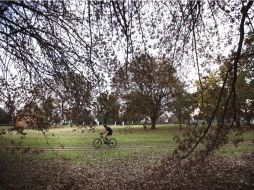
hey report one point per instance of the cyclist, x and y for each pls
(108, 132)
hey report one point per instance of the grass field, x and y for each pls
(67, 136)
(132, 141)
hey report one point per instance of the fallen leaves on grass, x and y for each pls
(212, 173)
(135, 173)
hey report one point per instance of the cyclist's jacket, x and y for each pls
(109, 131)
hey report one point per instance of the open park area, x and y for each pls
(126, 95)
(64, 158)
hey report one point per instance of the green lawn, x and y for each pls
(67, 136)
(132, 142)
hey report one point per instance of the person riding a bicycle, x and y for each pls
(111, 142)
(108, 131)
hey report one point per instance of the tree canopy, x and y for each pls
(150, 80)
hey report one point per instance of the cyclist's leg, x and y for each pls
(107, 137)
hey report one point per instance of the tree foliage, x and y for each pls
(183, 104)
(149, 80)
(5, 118)
(108, 106)
(134, 108)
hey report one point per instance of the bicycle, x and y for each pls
(110, 142)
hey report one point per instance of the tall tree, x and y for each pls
(5, 118)
(211, 88)
(183, 105)
(153, 79)
(79, 98)
(134, 107)
(245, 97)
(108, 106)
(246, 80)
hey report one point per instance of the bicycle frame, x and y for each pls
(98, 141)
(103, 138)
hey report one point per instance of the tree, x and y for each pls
(79, 98)
(245, 96)
(108, 106)
(152, 80)
(212, 84)
(211, 89)
(134, 107)
(31, 116)
(5, 118)
(183, 104)
(245, 83)
(49, 106)
(38, 35)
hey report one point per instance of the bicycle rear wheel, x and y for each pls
(97, 143)
(112, 143)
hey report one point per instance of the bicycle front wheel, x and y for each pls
(97, 143)
(112, 143)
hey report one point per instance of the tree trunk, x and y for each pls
(180, 121)
(248, 119)
(248, 122)
(153, 122)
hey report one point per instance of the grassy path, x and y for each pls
(76, 145)
(81, 148)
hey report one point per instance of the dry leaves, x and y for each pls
(136, 173)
